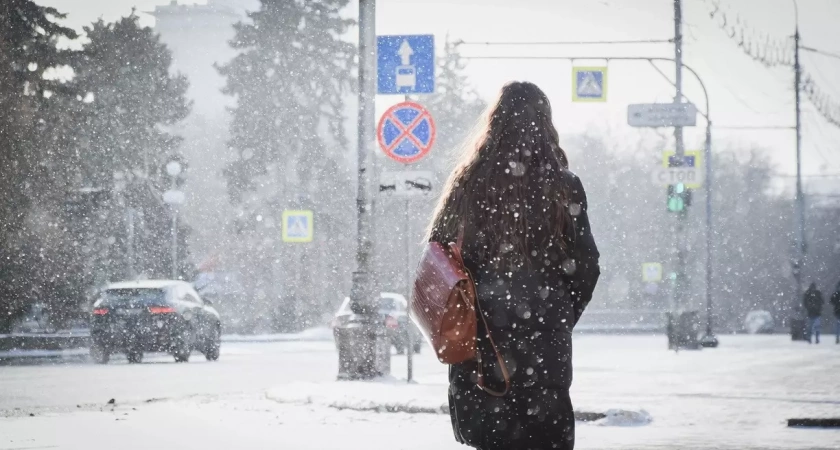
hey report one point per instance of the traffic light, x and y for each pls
(678, 197)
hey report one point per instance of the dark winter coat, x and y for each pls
(813, 302)
(531, 313)
(835, 302)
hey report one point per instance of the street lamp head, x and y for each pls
(173, 168)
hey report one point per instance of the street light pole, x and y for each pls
(174, 236)
(363, 351)
(682, 336)
(678, 130)
(173, 197)
(709, 340)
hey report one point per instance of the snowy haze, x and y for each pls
(742, 92)
(629, 217)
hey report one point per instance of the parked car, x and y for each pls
(393, 310)
(134, 317)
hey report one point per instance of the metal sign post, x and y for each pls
(407, 184)
(409, 341)
(406, 132)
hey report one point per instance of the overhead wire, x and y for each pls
(818, 127)
(820, 52)
(533, 43)
(774, 52)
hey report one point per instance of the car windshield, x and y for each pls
(132, 297)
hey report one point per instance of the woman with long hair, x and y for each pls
(528, 244)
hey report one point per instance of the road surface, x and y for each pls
(242, 368)
(735, 397)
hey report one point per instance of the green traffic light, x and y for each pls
(676, 204)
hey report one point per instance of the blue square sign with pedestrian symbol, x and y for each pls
(297, 226)
(589, 84)
(405, 64)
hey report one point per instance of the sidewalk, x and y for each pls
(255, 423)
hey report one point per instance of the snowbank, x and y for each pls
(390, 395)
(624, 418)
(380, 396)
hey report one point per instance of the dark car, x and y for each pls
(394, 313)
(153, 316)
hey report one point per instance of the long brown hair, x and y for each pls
(511, 182)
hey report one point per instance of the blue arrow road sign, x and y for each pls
(405, 64)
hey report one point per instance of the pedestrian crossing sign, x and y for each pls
(589, 84)
(651, 272)
(298, 226)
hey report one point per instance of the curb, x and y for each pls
(809, 422)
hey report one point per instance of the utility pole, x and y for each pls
(174, 198)
(709, 340)
(683, 329)
(129, 217)
(363, 352)
(174, 236)
(800, 199)
(678, 131)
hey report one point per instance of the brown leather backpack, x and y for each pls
(443, 306)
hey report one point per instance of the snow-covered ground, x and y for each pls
(738, 396)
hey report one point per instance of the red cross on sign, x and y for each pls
(406, 132)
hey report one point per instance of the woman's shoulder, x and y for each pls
(574, 183)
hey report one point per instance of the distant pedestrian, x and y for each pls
(529, 246)
(813, 303)
(835, 302)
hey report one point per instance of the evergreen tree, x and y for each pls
(290, 80)
(127, 100)
(28, 37)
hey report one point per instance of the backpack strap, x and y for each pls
(502, 365)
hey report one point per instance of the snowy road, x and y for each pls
(735, 397)
(242, 368)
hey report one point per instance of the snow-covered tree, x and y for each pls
(290, 81)
(126, 101)
(28, 37)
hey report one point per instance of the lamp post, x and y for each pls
(174, 198)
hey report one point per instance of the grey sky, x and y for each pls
(742, 92)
